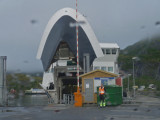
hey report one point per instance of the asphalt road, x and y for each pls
(145, 108)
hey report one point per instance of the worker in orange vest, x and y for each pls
(101, 96)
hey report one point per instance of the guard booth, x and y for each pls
(93, 79)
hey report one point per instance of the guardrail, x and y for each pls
(68, 98)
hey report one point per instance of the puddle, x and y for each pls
(6, 111)
(56, 110)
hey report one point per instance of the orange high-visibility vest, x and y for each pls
(101, 90)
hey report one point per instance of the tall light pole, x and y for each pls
(134, 89)
(133, 80)
(128, 82)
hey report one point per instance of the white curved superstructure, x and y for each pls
(66, 14)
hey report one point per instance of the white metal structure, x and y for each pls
(47, 79)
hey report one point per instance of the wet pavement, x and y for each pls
(144, 108)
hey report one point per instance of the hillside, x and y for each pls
(148, 52)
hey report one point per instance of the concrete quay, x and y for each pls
(144, 108)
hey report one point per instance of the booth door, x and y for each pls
(88, 84)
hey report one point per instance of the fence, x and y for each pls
(68, 98)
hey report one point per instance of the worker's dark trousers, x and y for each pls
(102, 102)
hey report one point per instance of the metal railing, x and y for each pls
(68, 98)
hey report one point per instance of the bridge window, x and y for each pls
(103, 50)
(108, 51)
(103, 68)
(110, 69)
(96, 67)
(114, 51)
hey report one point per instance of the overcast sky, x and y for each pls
(22, 23)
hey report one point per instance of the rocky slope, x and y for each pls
(148, 62)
